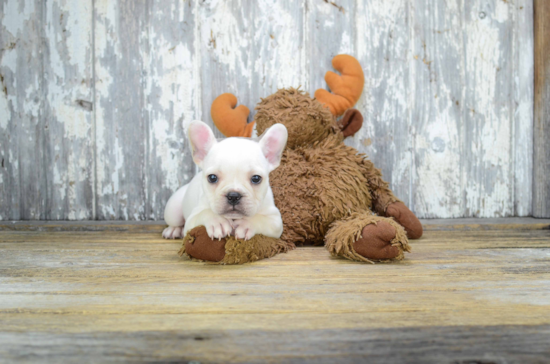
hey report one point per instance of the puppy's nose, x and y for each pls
(233, 198)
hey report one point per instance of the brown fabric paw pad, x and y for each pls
(405, 218)
(364, 237)
(198, 245)
(375, 242)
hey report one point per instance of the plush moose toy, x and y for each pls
(326, 191)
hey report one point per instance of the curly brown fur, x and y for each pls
(236, 251)
(319, 184)
(306, 120)
(343, 234)
(382, 196)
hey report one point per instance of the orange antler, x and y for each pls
(346, 88)
(231, 120)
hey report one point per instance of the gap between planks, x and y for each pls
(466, 224)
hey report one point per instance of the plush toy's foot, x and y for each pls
(375, 242)
(198, 245)
(405, 218)
(367, 238)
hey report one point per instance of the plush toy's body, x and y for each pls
(327, 192)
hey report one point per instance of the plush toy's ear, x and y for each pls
(231, 120)
(273, 142)
(346, 88)
(202, 140)
(351, 122)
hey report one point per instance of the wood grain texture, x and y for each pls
(251, 49)
(330, 30)
(22, 111)
(467, 224)
(95, 97)
(495, 344)
(172, 94)
(436, 119)
(121, 124)
(487, 120)
(523, 103)
(541, 151)
(278, 48)
(383, 49)
(226, 30)
(68, 110)
(460, 295)
(146, 90)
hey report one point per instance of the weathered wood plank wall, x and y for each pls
(95, 95)
(541, 150)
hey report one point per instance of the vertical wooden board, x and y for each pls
(23, 182)
(120, 119)
(383, 49)
(250, 48)
(9, 172)
(522, 121)
(68, 152)
(226, 31)
(447, 101)
(437, 83)
(330, 30)
(541, 150)
(172, 91)
(277, 48)
(488, 174)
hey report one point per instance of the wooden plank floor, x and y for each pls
(469, 292)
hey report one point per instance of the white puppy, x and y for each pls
(231, 195)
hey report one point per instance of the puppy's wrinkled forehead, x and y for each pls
(232, 153)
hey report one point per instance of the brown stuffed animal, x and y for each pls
(327, 192)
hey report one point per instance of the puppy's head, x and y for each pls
(236, 170)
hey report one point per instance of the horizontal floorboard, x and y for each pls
(463, 294)
(511, 223)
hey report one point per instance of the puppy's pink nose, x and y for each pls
(233, 198)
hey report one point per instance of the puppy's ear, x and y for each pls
(202, 140)
(273, 142)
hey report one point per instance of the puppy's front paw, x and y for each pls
(173, 232)
(244, 229)
(218, 227)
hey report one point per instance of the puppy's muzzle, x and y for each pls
(233, 198)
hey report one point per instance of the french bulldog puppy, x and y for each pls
(231, 195)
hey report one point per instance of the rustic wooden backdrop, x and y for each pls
(95, 93)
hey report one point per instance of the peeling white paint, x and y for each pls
(434, 81)
(5, 111)
(58, 183)
(15, 15)
(174, 97)
(30, 107)
(502, 10)
(487, 47)
(105, 39)
(8, 61)
(223, 32)
(382, 47)
(276, 37)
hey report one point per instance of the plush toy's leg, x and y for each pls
(406, 218)
(198, 245)
(386, 204)
(365, 237)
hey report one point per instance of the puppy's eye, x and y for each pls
(256, 179)
(212, 178)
